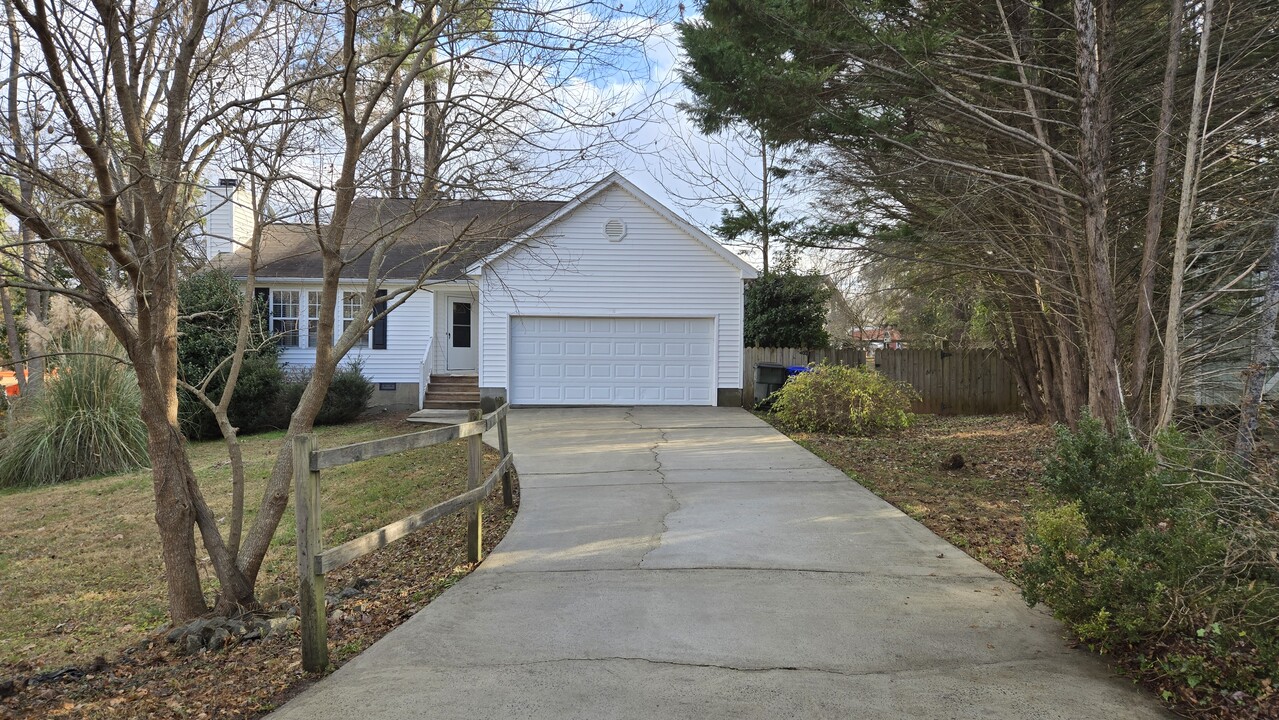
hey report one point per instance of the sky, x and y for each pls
(675, 163)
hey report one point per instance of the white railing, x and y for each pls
(424, 375)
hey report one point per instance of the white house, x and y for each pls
(607, 299)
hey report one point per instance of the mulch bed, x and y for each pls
(153, 679)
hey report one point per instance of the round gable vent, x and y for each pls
(614, 230)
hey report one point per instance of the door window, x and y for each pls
(461, 324)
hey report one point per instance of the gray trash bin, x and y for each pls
(769, 378)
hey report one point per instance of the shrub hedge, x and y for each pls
(1138, 556)
(843, 400)
(209, 305)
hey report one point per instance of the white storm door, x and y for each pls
(612, 361)
(463, 334)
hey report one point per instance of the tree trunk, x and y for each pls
(1098, 289)
(170, 473)
(1169, 384)
(1145, 319)
(1263, 358)
(11, 336)
(1027, 367)
(275, 498)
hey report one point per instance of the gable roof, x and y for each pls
(615, 179)
(460, 237)
(450, 234)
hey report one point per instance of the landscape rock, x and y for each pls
(193, 644)
(284, 624)
(221, 636)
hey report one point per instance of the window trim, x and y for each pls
(283, 337)
(347, 320)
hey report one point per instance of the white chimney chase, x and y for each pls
(226, 214)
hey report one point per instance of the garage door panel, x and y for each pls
(618, 361)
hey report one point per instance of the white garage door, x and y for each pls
(611, 361)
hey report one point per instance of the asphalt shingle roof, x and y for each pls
(446, 238)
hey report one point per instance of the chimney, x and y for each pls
(226, 216)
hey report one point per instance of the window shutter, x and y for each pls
(379, 327)
(262, 298)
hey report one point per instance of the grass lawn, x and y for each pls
(80, 569)
(980, 507)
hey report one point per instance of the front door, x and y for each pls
(461, 353)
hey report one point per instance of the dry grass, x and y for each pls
(80, 570)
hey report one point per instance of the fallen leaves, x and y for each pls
(968, 479)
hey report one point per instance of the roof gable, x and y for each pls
(616, 179)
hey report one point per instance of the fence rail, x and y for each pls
(314, 561)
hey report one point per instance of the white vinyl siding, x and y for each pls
(572, 270)
(408, 331)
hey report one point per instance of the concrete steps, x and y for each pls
(452, 392)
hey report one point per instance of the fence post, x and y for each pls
(315, 641)
(504, 447)
(474, 468)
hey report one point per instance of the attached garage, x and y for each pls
(612, 361)
(611, 300)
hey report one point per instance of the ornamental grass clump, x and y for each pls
(85, 422)
(844, 400)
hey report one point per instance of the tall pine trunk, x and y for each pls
(1144, 323)
(1170, 381)
(1098, 291)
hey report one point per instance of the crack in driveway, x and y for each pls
(661, 473)
(935, 668)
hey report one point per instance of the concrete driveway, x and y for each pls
(695, 563)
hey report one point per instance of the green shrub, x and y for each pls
(209, 304)
(348, 396)
(786, 309)
(1134, 555)
(843, 400)
(86, 422)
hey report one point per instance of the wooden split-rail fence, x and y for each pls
(314, 561)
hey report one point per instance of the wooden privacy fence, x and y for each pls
(964, 382)
(314, 561)
(789, 356)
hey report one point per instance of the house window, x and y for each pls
(353, 312)
(313, 318)
(284, 317)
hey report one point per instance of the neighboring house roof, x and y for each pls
(877, 334)
(615, 179)
(450, 234)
